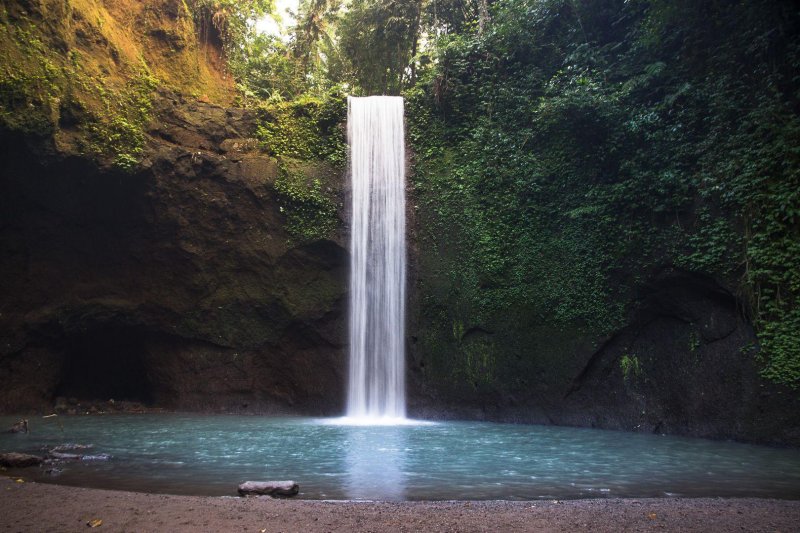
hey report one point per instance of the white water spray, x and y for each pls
(378, 250)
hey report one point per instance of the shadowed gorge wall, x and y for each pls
(178, 283)
(106, 363)
(602, 218)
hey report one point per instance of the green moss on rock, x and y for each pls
(310, 208)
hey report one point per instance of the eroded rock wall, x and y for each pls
(176, 284)
(683, 363)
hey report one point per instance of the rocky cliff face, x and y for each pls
(683, 363)
(176, 284)
(146, 254)
(603, 235)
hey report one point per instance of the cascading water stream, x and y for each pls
(377, 275)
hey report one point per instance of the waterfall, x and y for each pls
(378, 247)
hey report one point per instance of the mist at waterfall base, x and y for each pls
(212, 454)
(375, 134)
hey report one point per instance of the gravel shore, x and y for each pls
(26, 506)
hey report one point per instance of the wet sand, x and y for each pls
(40, 507)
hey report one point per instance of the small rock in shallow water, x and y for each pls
(97, 457)
(64, 456)
(19, 460)
(19, 427)
(269, 488)
(55, 456)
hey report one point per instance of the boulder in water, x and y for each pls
(269, 488)
(19, 460)
(72, 452)
(20, 427)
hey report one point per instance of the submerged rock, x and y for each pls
(71, 446)
(19, 460)
(64, 456)
(97, 457)
(269, 488)
(19, 427)
(57, 456)
(53, 472)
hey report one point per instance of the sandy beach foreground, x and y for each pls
(39, 507)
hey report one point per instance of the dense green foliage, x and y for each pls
(309, 128)
(310, 212)
(231, 21)
(378, 39)
(271, 73)
(573, 149)
(369, 46)
(307, 137)
(567, 152)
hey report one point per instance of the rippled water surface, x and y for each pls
(197, 454)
